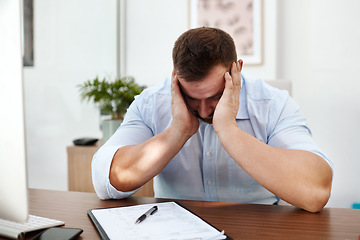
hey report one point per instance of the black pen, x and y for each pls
(151, 211)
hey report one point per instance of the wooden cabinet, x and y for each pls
(79, 171)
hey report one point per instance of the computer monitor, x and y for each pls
(13, 178)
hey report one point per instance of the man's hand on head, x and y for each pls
(182, 119)
(228, 106)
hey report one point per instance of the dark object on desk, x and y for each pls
(59, 233)
(85, 141)
(151, 211)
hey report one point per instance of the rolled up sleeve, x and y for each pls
(291, 130)
(132, 131)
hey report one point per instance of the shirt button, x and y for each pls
(209, 182)
(208, 154)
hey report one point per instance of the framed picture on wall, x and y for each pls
(242, 19)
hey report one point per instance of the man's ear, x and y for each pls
(241, 62)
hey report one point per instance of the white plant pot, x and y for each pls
(109, 127)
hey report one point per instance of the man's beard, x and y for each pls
(207, 120)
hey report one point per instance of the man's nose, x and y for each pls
(205, 109)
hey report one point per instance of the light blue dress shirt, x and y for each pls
(203, 170)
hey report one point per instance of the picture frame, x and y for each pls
(242, 19)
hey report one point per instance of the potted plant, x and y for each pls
(113, 98)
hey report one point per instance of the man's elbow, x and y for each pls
(318, 199)
(317, 203)
(319, 196)
(123, 180)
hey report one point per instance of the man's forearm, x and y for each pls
(299, 177)
(134, 165)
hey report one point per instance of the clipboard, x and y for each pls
(104, 220)
(227, 237)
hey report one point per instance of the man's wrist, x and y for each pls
(179, 135)
(226, 130)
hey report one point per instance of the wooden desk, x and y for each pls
(79, 170)
(240, 221)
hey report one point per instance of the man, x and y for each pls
(211, 134)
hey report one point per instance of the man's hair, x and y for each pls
(198, 50)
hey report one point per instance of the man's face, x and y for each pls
(202, 96)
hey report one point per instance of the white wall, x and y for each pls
(313, 43)
(74, 41)
(319, 51)
(152, 29)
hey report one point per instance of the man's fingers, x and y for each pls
(236, 73)
(173, 74)
(233, 82)
(228, 76)
(228, 83)
(175, 84)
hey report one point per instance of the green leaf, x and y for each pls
(113, 96)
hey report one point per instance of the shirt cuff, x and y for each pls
(100, 174)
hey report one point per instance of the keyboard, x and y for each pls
(14, 229)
